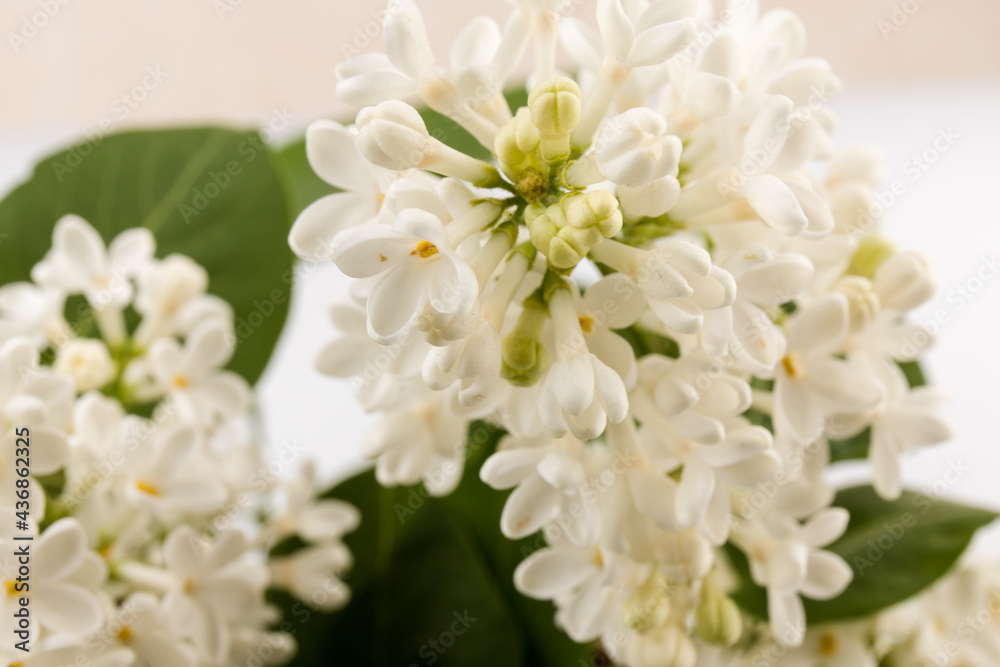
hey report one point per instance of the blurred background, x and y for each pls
(922, 79)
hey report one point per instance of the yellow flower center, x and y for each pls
(188, 586)
(425, 249)
(792, 366)
(125, 634)
(828, 645)
(180, 381)
(147, 487)
(11, 586)
(587, 324)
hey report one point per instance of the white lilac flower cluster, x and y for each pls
(953, 624)
(681, 186)
(142, 471)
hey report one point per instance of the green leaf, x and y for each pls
(895, 548)
(914, 373)
(419, 561)
(210, 193)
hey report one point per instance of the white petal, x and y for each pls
(60, 550)
(768, 132)
(655, 496)
(616, 29)
(694, 492)
(528, 507)
(821, 327)
(396, 301)
(332, 150)
(548, 573)
(572, 381)
(509, 467)
(314, 230)
(827, 577)
(65, 608)
(371, 88)
(362, 252)
(405, 39)
(776, 204)
(131, 250)
(660, 43)
(825, 526)
(788, 617)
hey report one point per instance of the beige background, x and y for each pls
(238, 60)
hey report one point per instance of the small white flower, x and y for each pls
(313, 569)
(165, 477)
(786, 558)
(192, 374)
(763, 280)
(580, 392)
(550, 477)
(172, 299)
(64, 574)
(87, 361)
(809, 382)
(213, 588)
(425, 442)
(415, 264)
(333, 154)
(677, 278)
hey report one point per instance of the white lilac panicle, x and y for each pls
(150, 528)
(662, 284)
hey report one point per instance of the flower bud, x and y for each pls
(862, 302)
(717, 616)
(525, 359)
(904, 281)
(393, 135)
(566, 232)
(872, 251)
(649, 606)
(555, 110)
(516, 145)
(87, 361)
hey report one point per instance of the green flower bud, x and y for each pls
(717, 616)
(649, 606)
(555, 108)
(872, 251)
(525, 359)
(516, 146)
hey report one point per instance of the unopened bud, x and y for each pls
(649, 606)
(863, 304)
(555, 110)
(872, 251)
(717, 616)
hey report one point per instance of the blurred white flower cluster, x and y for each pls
(681, 186)
(151, 507)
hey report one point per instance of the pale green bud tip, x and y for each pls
(598, 208)
(555, 106)
(719, 621)
(649, 606)
(525, 361)
(872, 251)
